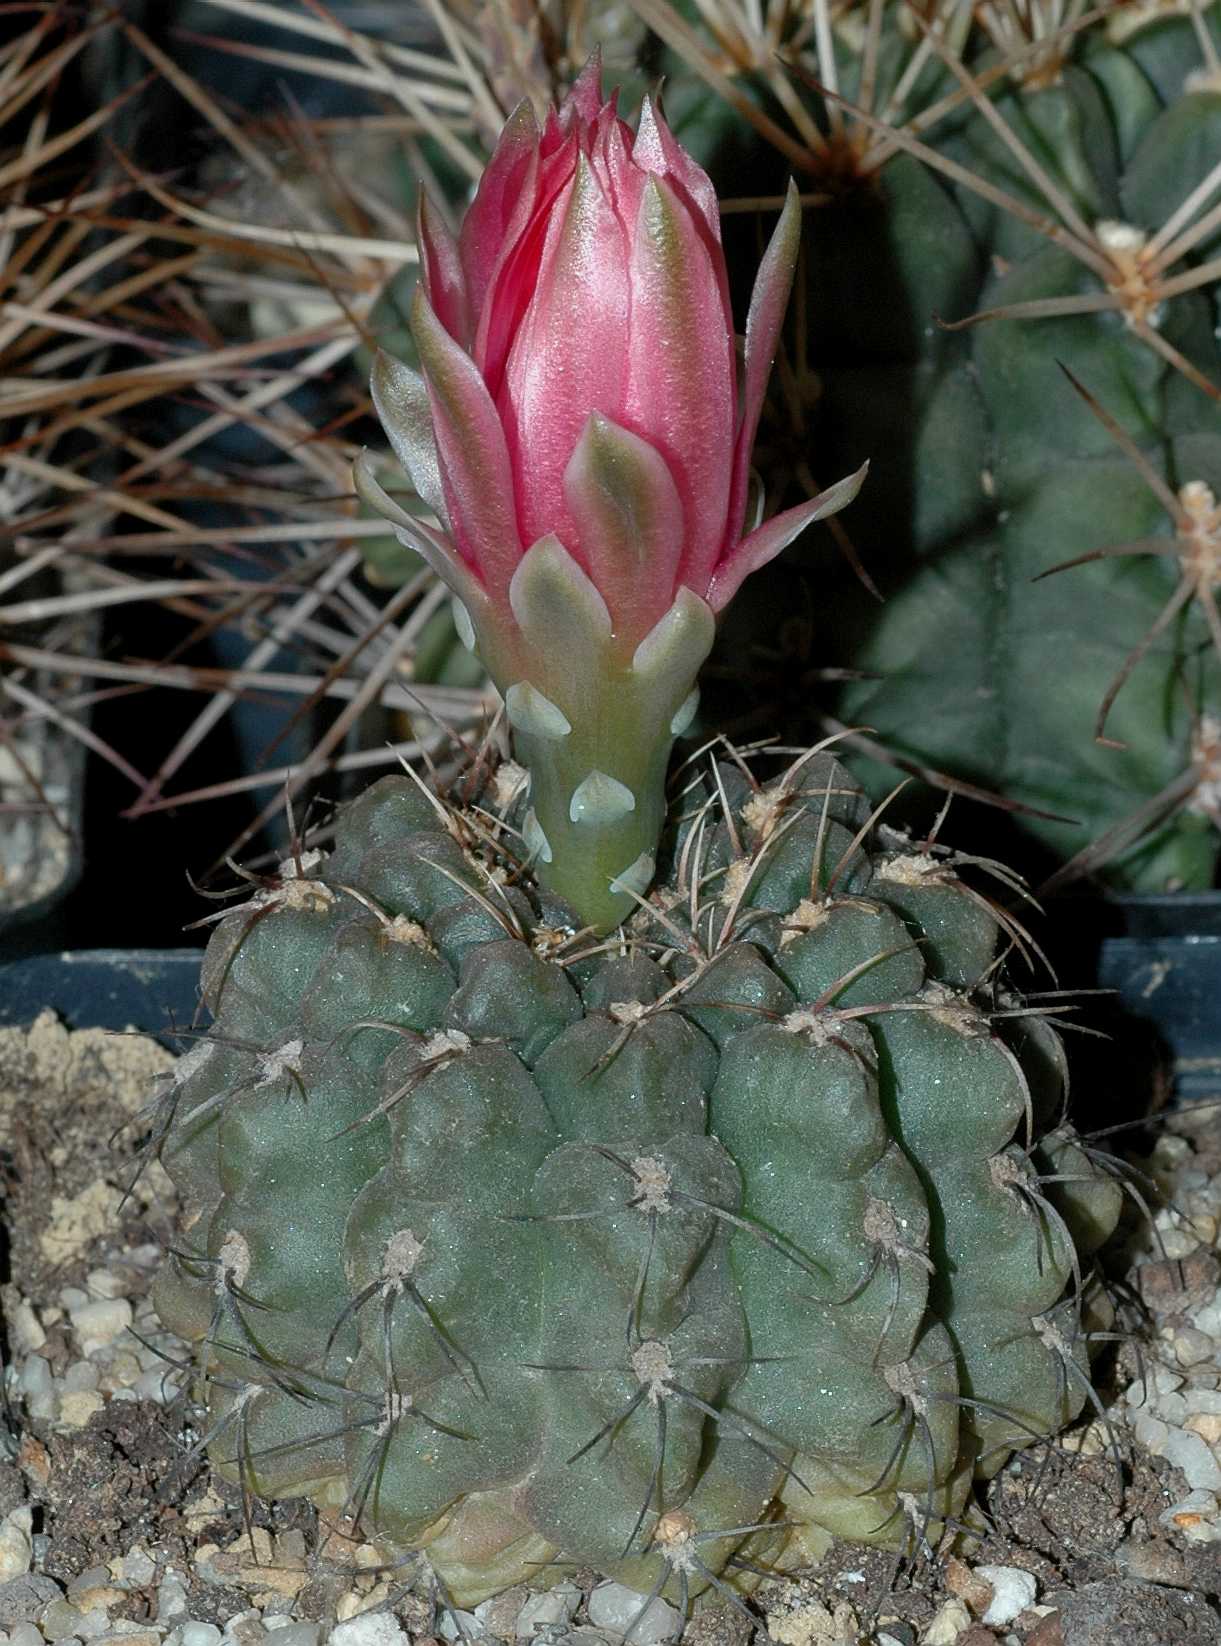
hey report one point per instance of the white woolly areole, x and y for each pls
(510, 781)
(232, 1261)
(397, 1406)
(445, 1043)
(901, 1380)
(1009, 1172)
(400, 1256)
(911, 869)
(955, 1012)
(738, 877)
(285, 1059)
(1051, 1336)
(652, 1365)
(805, 917)
(815, 1026)
(404, 930)
(628, 1011)
(653, 1184)
(880, 1225)
(297, 891)
(761, 812)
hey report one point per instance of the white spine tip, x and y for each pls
(600, 798)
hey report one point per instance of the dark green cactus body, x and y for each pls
(988, 467)
(528, 1248)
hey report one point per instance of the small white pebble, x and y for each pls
(98, 1323)
(557, 1605)
(35, 1376)
(616, 1608)
(26, 1328)
(16, 1545)
(370, 1629)
(71, 1297)
(171, 1598)
(1171, 1409)
(159, 1384)
(25, 1634)
(1192, 1346)
(1151, 1432)
(81, 1375)
(75, 1409)
(199, 1634)
(104, 1283)
(454, 1624)
(950, 1620)
(1012, 1591)
(139, 1567)
(61, 1621)
(294, 1634)
(1192, 1454)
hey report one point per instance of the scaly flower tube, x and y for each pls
(580, 433)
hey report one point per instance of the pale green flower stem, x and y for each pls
(593, 724)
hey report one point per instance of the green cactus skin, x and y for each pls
(531, 1249)
(989, 468)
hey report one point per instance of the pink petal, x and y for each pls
(611, 157)
(471, 452)
(513, 281)
(680, 389)
(657, 150)
(441, 271)
(768, 302)
(776, 534)
(567, 359)
(498, 202)
(584, 99)
(629, 521)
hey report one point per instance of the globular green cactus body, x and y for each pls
(756, 1222)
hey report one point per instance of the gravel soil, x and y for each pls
(113, 1529)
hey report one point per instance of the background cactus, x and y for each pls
(668, 1254)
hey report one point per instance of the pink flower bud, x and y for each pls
(579, 355)
(580, 431)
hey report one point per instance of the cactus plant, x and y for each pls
(536, 1213)
(1081, 695)
(665, 1255)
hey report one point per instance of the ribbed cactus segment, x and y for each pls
(739, 1228)
(1058, 222)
